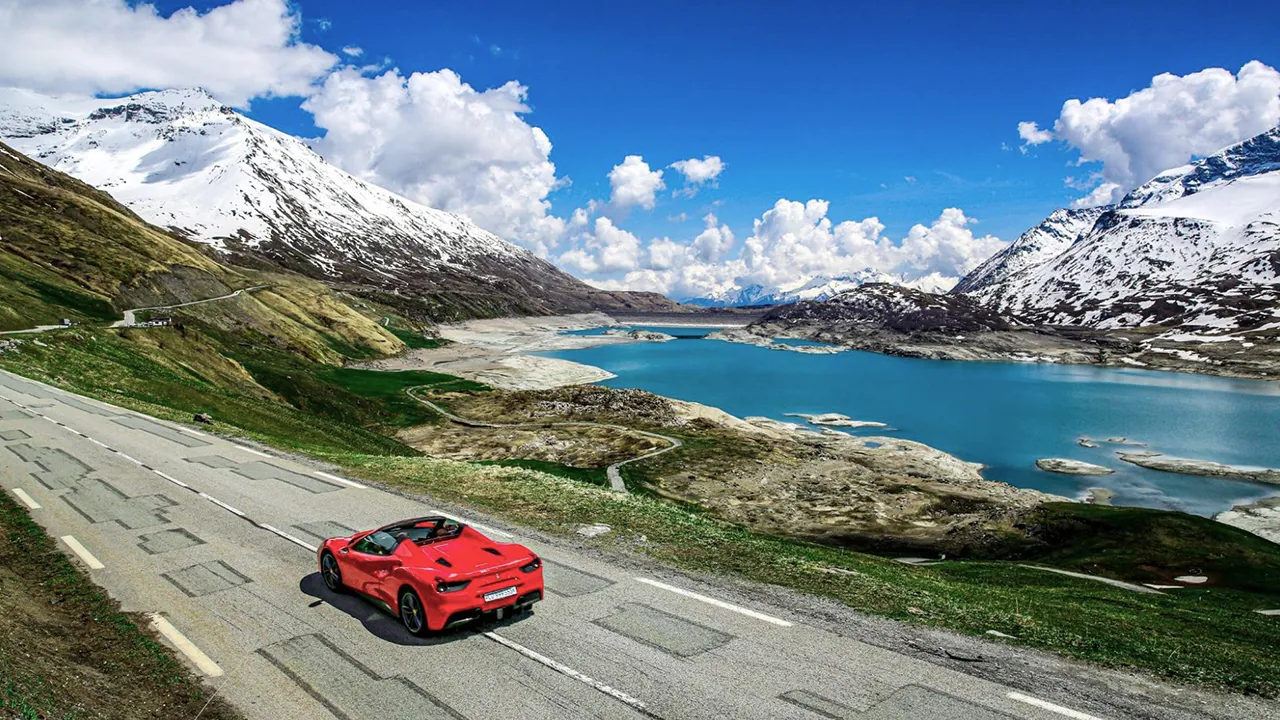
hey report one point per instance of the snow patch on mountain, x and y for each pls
(1197, 246)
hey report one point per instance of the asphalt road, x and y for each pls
(213, 537)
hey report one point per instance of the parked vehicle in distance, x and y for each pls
(433, 572)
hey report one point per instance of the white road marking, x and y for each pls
(718, 603)
(566, 670)
(251, 450)
(170, 478)
(289, 537)
(197, 433)
(1045, 705)
(83, 552)
(133, 460)
(24, 497)
(221, 504)
(335, 478)
(188, 648)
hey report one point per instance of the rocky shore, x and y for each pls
(1261, 518)
(497, 352)
(1072, 467)
(1206, 468)
(899, 321)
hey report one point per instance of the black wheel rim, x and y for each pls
(329, 569)
(411, 612)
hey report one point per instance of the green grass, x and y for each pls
(1143, 545)
(591, 476)
(417, 340)
(108, 642)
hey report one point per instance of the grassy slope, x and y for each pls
(68, 248)
(65, 642)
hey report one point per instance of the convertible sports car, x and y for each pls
(433, 572)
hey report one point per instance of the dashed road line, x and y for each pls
(170, 478)
(197, 433)
(718, 603)
(251, 450)
(26, 499)
(337, 479)
(222, 505)
(188, 648)
(288, 537)
(570, 672)
(1046, 705)
(88, 558)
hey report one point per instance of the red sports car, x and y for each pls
(433, 572)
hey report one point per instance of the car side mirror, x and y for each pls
(344, 551)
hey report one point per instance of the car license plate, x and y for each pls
(499, 594)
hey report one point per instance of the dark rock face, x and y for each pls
(894, 309)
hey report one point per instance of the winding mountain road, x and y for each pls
(130, 320)
(216, 540)
(613, 472)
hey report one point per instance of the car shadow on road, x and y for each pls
(380, 623)
(383, 625)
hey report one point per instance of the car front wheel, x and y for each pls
(412, 613)
(331, 573)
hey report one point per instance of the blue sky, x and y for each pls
(907, 112)
(803, 99)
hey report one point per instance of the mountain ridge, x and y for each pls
(184, 161)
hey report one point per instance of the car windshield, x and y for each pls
(384, 543)
(424, 531)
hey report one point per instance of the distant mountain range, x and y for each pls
(186, 162)
(817, 289)
(1197, 247)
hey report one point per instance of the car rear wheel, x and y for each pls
(331, 573)
(412, 613)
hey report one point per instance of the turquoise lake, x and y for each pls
(1003, 415)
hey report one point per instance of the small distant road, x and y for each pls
(613, 471)
(36, 329)
(129, 319)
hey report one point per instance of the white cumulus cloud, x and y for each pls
(238, 51)
(634, 183)
(790, 244)
(434, 138)
(1165, 124)
(607, 248)
(699, 171)
(352, 51)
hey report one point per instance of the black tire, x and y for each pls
(412, 613)
(331, 573)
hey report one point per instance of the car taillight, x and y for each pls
(448, 587)
(533, 565)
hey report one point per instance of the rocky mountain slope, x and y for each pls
(68, 250)
(1197, 248)
(1034, 247)
(897, 320)
(184, 161)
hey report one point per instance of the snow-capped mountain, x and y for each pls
(184, 161)
(1034, 247)
(1198, 246)
(818, 289)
